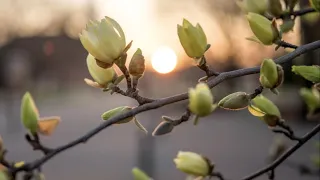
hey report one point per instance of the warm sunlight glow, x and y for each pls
(164, 60)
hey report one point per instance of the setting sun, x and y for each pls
(164, 60)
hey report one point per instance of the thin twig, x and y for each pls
(169, 100)
(217, 175)
(271, 174)
(3, 160)
(36, 144)
(286, 45)
(293, 13)
(185, 117)
(133, 94)
(256, 92)
(297, 13)
(287, 134)
(285, 155)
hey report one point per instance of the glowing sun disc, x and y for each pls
(164, 60)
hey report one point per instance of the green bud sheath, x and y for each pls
(137, 64)
(29, 113)
(268, 73)
(262, 28)
(116, 111)
(164, 127)
(266, 106)
(235, 101)
(287, 25)
(275, 7)
(311, 73)
(270, 120)
(201, 100)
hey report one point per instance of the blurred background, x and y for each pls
(40, 52)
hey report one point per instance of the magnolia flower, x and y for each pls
(201, 100)
(102, 77)
(105, 40)
(192, 164)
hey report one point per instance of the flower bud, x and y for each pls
(139, 174)
(105, 40)
(201, 100)
(311, 97)
(29, 113)
(271, 75)
(101, 76)
(315, 4)
(235, 101)
(192, 38)
(264, 29)
(287, 25)
(310, 73)
(266, 106)
(192, 164)
(275, 7)
(137, 64)
(164, 127)
(255, 6)
(116, 111)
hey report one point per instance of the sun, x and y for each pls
(164, 60)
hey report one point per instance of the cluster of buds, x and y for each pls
(193, 164)
(31, 119)
(235, 101)
(265, 31)
(266, 110)
(271, 74)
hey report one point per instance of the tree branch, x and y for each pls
(169, 100)
(133, 94)
(297, 13)
(36, 144)
(285, 155)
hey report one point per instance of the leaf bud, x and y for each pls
(29, 113)
(275, 7)
(138, 174)
(315, 4)
(201, 100)
(164, 127)
(235, 101)
(116, 111)
(264, 29)
(266, 106)
(137, 64)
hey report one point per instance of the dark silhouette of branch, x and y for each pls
(256, 92)
(133, 94)
(176, 98)
(285, 155)
(218, 175)
(286, 45)
(287, 134)
(3, 160)
(297, 13)
(293, 13)
(34, 141)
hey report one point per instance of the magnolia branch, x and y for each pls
(176, 98)
(285, 155)
(297, 13)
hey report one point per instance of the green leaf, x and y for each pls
(310, 73)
